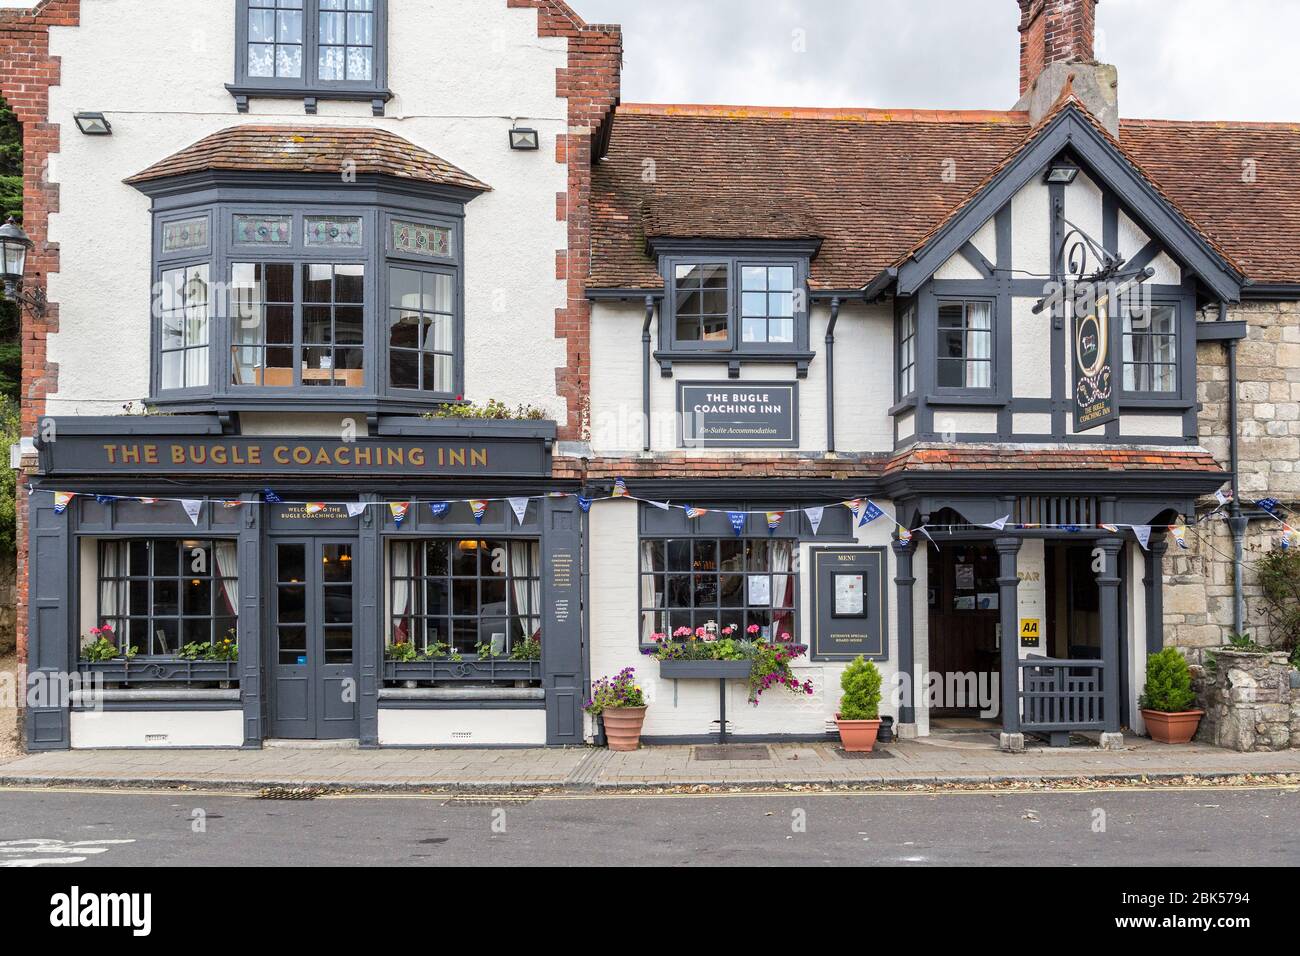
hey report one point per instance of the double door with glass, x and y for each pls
(312, 639)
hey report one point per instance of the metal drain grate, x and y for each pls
(873, 755)
(732, 752)
(291, 793)
(489, 800)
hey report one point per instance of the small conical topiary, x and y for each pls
(1169, 683)
(861, 685)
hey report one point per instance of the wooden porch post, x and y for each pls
(1008, 584)
(903, 580)
(1108, 584)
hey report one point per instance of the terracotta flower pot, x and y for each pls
(623, 727)
(1175, 728)
(858, 736)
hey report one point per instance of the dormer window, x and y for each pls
(276, 290)
(317, 49)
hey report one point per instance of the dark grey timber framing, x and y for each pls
(370, 554)
(1071, 130)
(308, 86)
(830, 373)
(377, 201)
(563, 666)
(645, 369)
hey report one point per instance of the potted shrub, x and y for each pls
(619, 702)
(859, 715)
(1167, 699)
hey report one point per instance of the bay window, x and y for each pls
(183, 320)
(454, 596)
(161, 594)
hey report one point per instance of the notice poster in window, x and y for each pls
(760, 590)
(849, 595)
(988, 601)
(965, 577)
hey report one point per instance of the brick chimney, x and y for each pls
(1056, 48)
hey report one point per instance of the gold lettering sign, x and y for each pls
(306, 456)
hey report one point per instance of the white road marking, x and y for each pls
(19, 853)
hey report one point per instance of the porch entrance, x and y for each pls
(312, 639)
(964, 640)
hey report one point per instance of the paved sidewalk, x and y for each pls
(959, 759)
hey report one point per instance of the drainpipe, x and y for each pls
(830, 374)
(1236, 522)
(645, 369)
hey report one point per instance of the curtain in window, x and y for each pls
(647, 590)
(782, 588)
(227, 558)
(113, 595)
(525, 555)
(399, 571)
(979, 345)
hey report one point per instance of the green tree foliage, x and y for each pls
(861, 685)
(1279, 576)
(1169, 683)
(10, 431)
(11, 204)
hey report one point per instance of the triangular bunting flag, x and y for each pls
(662, 506)
(692, 512)
(1223, 497)
(584, 504)
(999, 525)
(152, 501)
(232, 503)
(1143, 533)
(106, 499)
(479, 507)
(869, 514)
(356, 508)
(1290, 537)
(61, 499)
(399, 510)
(854, 505)
(1179, 532)
(440, 508)
(315, 507)
(193, 507)
(1270, 505)
(520, 507)
(271, 497)
(1113, 528)
(620, 489)
(904, 535)
(774, 519)
(737, 519)
(815, 516)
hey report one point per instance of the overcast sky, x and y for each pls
(1179, 59)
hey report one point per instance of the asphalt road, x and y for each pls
(1200, 827)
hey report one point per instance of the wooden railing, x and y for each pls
(1061, 695)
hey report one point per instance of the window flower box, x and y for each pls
(704, 670)
(470, 669)
(160, 670)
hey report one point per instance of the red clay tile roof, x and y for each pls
(873, 181)
(925, 458)
(310, 149)
(728, 220)
(1054, 458)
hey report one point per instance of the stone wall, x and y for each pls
(1248, 702)
(1198, 581)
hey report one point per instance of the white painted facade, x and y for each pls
(156, 729)
(490, 70)
(461, 728)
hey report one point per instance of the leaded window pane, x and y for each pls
(183, 314)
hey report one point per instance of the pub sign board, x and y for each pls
(738, 414)
(849, 613)
(1094, 392)
(306, 457)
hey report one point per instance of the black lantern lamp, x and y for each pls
(14, 246)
